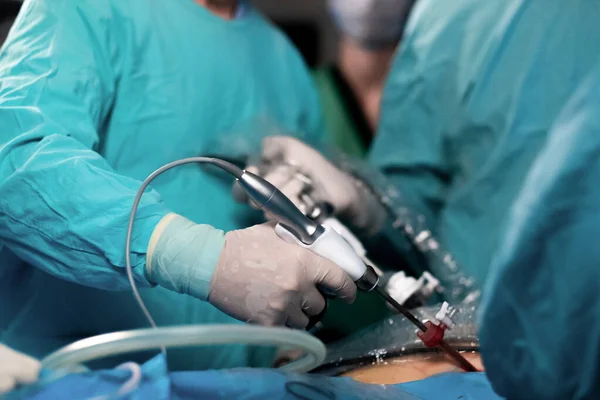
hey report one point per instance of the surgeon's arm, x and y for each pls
(540, 327)
(62, 208)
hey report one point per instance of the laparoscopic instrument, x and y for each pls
(292, 226)
(406, 290)
(295, 227)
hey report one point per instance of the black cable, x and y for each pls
(403, 310)
(227, 166)
(455, 355)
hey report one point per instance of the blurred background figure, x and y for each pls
(8, 12)
(369, 32)
(349, 46)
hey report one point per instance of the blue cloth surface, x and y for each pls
(258, 384)
(94, 96)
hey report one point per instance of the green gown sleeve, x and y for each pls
(539, 318)
(62, 208)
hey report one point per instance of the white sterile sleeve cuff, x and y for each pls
(182, 255)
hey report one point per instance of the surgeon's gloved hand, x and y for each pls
(16, 369)
(283, 157)
(250, 274)
(261, 278)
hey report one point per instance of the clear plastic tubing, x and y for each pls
(69, 358)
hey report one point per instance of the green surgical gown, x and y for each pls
(471, 96)
(94, 96)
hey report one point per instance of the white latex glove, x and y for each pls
(16, 369)
(262, 279)
(283, 157)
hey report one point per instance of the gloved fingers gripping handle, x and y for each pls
(263, 279)
(327, 239)
(296, 319)
(332, 246)
(315, 306)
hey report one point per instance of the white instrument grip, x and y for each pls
(332, 246)
(346, 234)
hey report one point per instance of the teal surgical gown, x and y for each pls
(540, 332)
(94, 96)
(471, 96)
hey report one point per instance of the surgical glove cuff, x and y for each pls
(183, 255)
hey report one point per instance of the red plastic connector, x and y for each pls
(433, 335)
